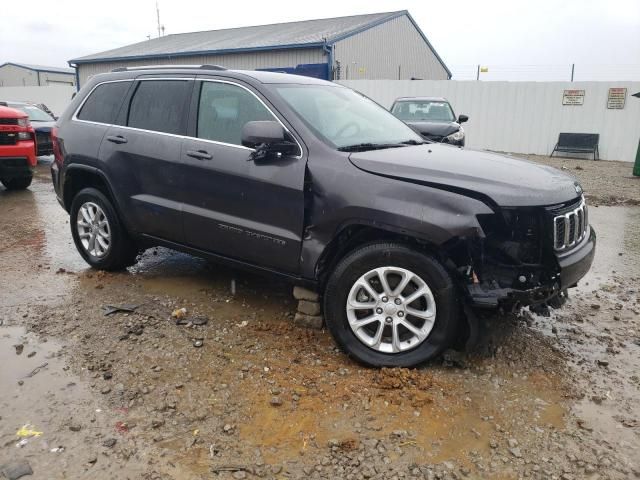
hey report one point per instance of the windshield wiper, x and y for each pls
(415, 142)
(363, 147)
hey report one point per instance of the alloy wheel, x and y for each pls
(94, 230)
(391, 309)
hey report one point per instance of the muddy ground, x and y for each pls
(128, 395)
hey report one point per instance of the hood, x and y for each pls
(43, 126)
(506, 181)
(439, 129)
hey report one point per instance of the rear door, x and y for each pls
(99, 110)
(234, 206)
(142, 153)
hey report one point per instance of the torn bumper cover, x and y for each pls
(571, 267)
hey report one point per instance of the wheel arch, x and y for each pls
(78, 177)
(355, 234)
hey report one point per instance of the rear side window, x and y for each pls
(104, 102)
(160, 105)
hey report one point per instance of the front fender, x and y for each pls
(428, 214)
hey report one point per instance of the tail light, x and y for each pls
(57, 151)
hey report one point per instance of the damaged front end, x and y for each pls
(515, 261)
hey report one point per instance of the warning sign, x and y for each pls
(616, 98)
(573, 97)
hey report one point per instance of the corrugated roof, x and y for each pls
(41, 68)
(279, 35)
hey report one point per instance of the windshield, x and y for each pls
(343, 118)
(423, 111)
(35, 114)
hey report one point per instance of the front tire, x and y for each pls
(17, 183)
(98, 232)
(387, 304)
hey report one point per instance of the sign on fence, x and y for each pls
(616, 98)
(573, 97)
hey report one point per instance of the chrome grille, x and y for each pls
(570, 227)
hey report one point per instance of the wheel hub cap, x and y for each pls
(94, 230)
(391, 309)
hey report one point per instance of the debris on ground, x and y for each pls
(109, 443)
(111, 309)
(179, 313)
(199, 321)
(27, 431)
(36, 370)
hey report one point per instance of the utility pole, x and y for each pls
(478, 73)
(573, 68)
(158, 19)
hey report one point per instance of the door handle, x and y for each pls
(199, 154)
(117, 139)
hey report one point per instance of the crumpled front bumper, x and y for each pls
(573, 266)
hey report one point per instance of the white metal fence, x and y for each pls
(56, 98)
(526, 117)
(518, 117)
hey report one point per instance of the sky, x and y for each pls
(507, 36)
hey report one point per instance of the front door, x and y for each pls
(233, 206)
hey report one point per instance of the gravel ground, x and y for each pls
(131, 395)
(604, 182)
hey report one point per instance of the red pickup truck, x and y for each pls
(17, 149)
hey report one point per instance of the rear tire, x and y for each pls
(17, 183)
(98, 232)
(412, 331)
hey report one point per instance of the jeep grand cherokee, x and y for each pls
(311, 181)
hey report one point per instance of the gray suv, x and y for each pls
(312, 182)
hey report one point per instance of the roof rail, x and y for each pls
(176, 67)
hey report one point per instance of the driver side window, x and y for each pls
(224, 109)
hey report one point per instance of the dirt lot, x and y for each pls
(128, 395)
(604, 182)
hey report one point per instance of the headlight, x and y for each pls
(456, 136)
(24, 136)
(23, 122)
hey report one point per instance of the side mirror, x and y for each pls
(267, 137)
(463, 118)
(259, 133)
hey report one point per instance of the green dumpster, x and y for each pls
(636, 166)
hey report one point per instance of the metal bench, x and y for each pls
(578, 143)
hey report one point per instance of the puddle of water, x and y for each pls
(618, 230)
(601, 419)
(35, 242)
(178, 274)
(37, 391)
(32, 383)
